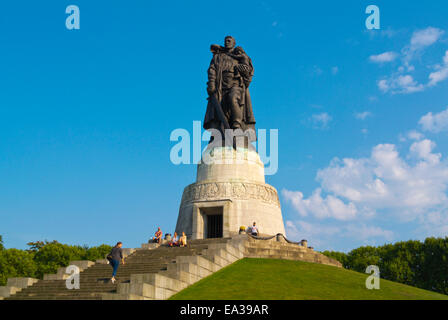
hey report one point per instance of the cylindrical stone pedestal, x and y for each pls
(230, 192)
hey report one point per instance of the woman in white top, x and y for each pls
(174, 241)
(254, 230)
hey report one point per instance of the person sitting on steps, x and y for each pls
(174, 241)
(254, 230)
(158, 236)
(183, 240)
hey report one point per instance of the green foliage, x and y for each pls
(35, 246)
(44, 257)
(434, 270)
(16, 263)
(1, 243)
(52, 256)
(339, 256)
(99, 252)
(420, 264)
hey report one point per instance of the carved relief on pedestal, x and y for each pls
(230, 190)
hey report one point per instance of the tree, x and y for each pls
(44, 257)
(52, 256)
(434, 275)
(37, 245)
(420, 264)
(359, 259)
(95, 253)
(16, 263)
(339, 256)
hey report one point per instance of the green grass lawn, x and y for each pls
(270, 279)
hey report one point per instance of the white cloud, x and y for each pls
(405, 81)
(423, 150)
(441, 74)
(321, 120)
(384, 33)
(420, 40)
(363, 115)
(318, 235)
(414, 135)
(401, 83)
(384, 57)
(364, 232)
(387, 181)
(357, 194)
(327, 207)
(383, 182)
(435, 122)
(407, 84)
(334, 70)
(411, 135)
(383, 85)
(307, 230)
(426, 37)
(438, 76)
(434, 223)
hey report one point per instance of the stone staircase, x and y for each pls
(147, 274)
(15, 285)
(158, 271)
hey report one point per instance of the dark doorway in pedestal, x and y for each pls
(212, 218)
(213, 221)
(214, 226)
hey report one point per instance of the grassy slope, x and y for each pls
(270, 279)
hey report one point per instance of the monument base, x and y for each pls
(230, 192)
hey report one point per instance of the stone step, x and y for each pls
(63, 287)
(145, 290)
(69, 292)
(7, 291)
(48, 292)
(115, 296)
(61, 297)
(153, 273)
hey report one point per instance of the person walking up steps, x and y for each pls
(114, 257)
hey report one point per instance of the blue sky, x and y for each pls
(86, 116)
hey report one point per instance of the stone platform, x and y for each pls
(158, 272)
(230, 183)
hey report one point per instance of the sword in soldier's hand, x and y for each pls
(219, 112)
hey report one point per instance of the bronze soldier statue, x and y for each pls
(229, 76)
